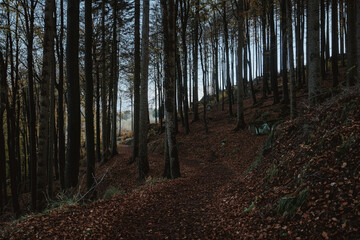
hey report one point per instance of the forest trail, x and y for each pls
(188, 207)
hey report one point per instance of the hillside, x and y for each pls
(299, 182)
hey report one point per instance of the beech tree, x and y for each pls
(73, 86)
(172, 165)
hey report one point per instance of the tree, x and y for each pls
(351, 43)
(335, 42)
(143, 163)
(29, 14)
(72, 67)
(3, 189)
(240, 121)
(273, 54)
(358, 40)
(195, 61)
(291, 60)
(44, 120)
(172, 166)
(136, 82)
(284, 28)
(89, 94)
(184, 15)
(314, 50)
(114, 71)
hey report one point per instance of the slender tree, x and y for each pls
(114, 81)
(72, 67)
(195, 61)
(240, 121)
(89, 94)
(137, 69)
(172, 165)
(335, 42)
(351, 43)
(143, 163)
(314, 50)
(291, 61)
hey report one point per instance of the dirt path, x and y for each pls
(193, 206)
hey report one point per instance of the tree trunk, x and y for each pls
(184, 13)
(195, 62)
(314, 50)
(285, 99)
(136, 83)
(293, 112)
(358, 41)
(44, 120)
(169, 26)
(351, 43)
(228, 81)
(114, 82)
(143, 163)
(273, 55)
(74, 120)
(335, 42)
(240, 121)
(89, 94)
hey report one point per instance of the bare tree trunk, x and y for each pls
(351, 43)
(293, 112)
(143, 163)
(89, 94)
(136, 83)
(335, 42)
(240, 121)
(313, 51)
(114, 82)
(73, 86)
(169, 26)
(195, 62)
(273, 58)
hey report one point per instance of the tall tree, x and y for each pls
(284, 24)
(143, 163)
(73, 86)
(114, 71)
(226, 34)
(172, 165)
(240, 121)
(195, 61)
(44, 120)
(184, 15)
(29, 14)
(358, 41)
(335, 42)
(89, 95)
(291, 61)
(3, 188)
(351, 42)
(273, 54)
(60, 105)
(314, 50)
(137, 69)
(104, 123)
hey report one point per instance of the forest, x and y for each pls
(174, 119)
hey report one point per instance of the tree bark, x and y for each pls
(169, 26)
(74, 120)
(314, 51)
(143, 163)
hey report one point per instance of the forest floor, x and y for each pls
(300, 182)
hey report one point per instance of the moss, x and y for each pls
(112, 191)
(288, 205)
